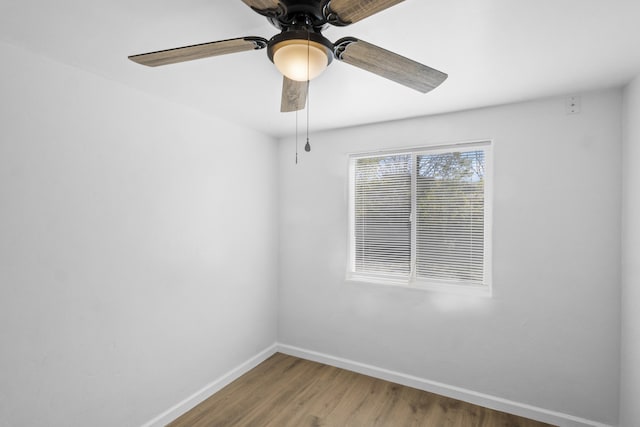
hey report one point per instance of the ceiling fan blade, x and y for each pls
(198, 51)
(345, 12)
(388, 64)
(294, 95)
(265, 7)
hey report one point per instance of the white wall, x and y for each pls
(126, 227)
(630, 377)
(549, 337)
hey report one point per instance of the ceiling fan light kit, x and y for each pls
(301, 53)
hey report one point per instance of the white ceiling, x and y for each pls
(495, 51)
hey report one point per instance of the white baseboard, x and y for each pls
(175, 411)
(488, 401)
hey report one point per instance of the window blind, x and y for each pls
(382, 215)
(450, 216)
(420, 216)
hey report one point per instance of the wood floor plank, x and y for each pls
(242, 396)
(285, 391)
(311, 405)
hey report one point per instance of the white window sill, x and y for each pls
(441, 287)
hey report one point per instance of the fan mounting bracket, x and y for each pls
(331, 17)
(259, 42)
(341, 45)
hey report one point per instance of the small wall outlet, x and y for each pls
(573, 105)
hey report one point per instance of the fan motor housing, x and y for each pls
(291, 11)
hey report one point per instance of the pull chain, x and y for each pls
(307, 146)
(296, 137)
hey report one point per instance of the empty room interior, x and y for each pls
(445, 199)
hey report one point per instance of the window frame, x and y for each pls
(484, 289)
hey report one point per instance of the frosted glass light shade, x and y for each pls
(292, 56)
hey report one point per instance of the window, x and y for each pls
(421, 217)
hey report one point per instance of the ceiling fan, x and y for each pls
(301, 52)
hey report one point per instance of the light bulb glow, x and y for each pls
(291, 58)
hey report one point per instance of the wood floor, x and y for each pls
(286, 391)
